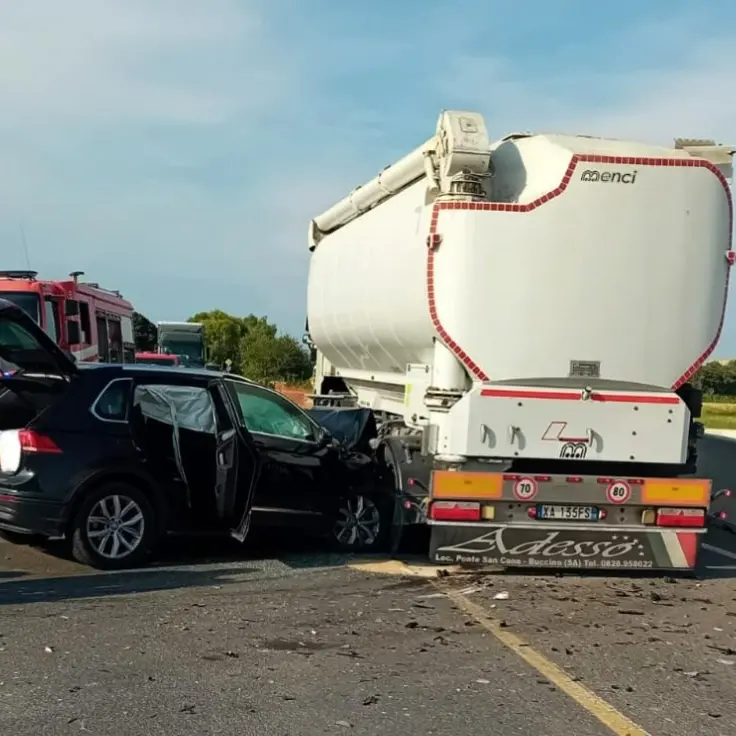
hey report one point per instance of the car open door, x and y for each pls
(237, 468)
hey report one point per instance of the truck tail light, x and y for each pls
(454, 511)
(681, 517)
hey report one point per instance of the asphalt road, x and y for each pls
(326, 651)
(294, 643)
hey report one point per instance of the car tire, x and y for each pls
(354, 517)
(131, 520)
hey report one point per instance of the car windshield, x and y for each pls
(191, 351)
(269, 413)
(26, 300)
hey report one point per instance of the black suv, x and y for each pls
(113, 457)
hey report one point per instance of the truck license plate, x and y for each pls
(567, 513)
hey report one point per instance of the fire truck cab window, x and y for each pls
(26, 300)
(51, 314)
(116, 339)
(102, 346)
(85, 323)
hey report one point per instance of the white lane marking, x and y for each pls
(719, 551)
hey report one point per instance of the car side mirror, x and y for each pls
(324, 438)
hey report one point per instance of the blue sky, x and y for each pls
(176, 149)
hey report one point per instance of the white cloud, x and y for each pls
(149, 138)
(692, 97)
(96, 62)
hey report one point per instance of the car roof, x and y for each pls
(163, 370)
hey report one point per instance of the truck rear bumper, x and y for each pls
(565, 546)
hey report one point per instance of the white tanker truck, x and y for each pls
(524, 318)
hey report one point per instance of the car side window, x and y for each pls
(112, 404)
(264, 412)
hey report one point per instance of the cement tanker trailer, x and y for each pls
(524, 317)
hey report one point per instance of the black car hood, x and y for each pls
(353, 428)
(24, 346)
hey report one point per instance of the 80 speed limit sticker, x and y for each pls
(525, 489)
(618, 492)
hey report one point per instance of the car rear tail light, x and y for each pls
(454, 511)
(681, 517)
(31, 441)
(14, 442)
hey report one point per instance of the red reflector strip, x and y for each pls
(577, 396)
(32, 441)
(681, 517)
(573, 479)
(454, 511)
(523, 394)
(543, 478)
(635, 399)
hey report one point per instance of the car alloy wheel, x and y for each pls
(115, 526)
(358, 523)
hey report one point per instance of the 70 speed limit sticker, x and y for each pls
(525, 489)
(618, 492)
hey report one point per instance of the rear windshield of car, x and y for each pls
(19, 349)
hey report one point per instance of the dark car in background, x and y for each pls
(114, 457)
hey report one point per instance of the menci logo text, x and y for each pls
(610, 177)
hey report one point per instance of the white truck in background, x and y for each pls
(186, 340)
(524, 317)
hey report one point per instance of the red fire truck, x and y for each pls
(157, 359)
(93, 323)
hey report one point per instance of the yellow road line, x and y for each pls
(613, 719)
(617, 722)
(396, 567)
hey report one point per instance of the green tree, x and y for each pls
(145, 333)
(267, 359)
(254, 346)
(717, 379)
(223, 333)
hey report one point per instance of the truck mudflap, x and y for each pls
(567, 522)
(570, 547)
